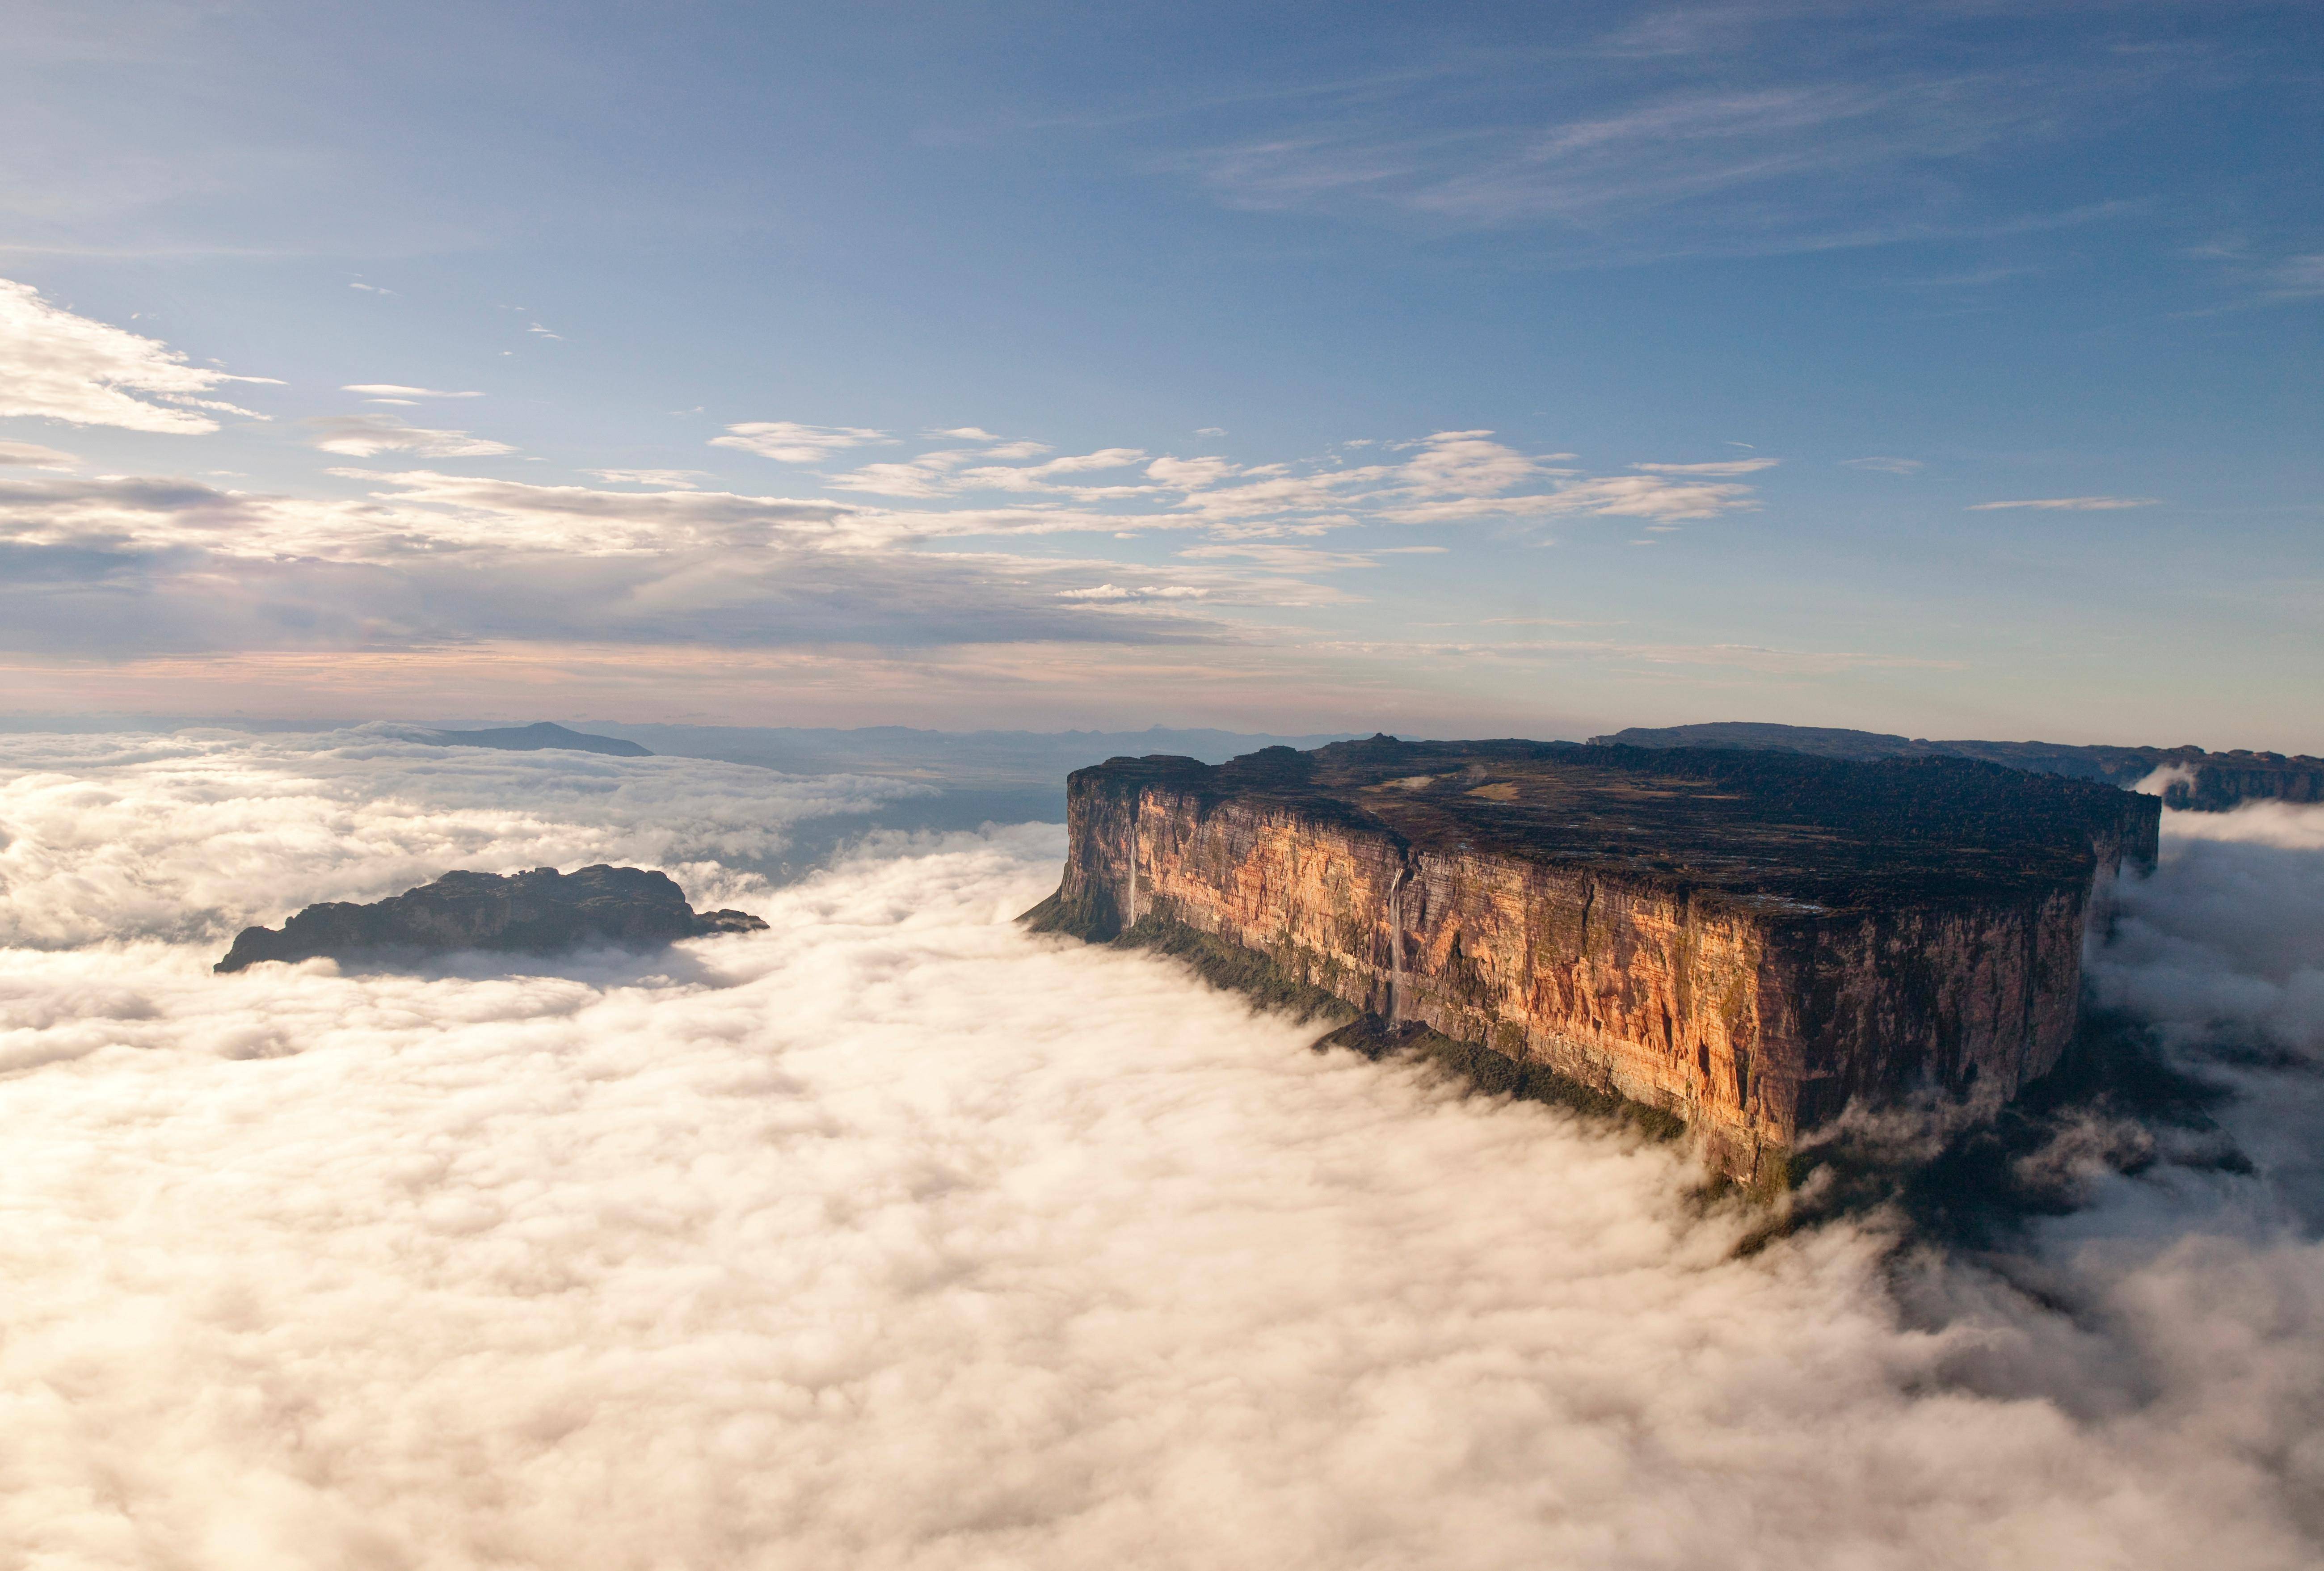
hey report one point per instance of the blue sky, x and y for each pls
(1951, 368)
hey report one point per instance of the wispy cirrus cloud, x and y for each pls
(1610, 496)
(1612, 170)
(60, 366)
(961, 471)
(666, 480)
(2295, 277)
(790, 442)
(1282, 556)
(1687, 497)
(398, 392)
(2069, 503)
(1117, 592)
(1723, 467)
(1806, 129)
(360, 436)
(1885, 466)
(1759, 659)
(1447, 477)
(2262, 279)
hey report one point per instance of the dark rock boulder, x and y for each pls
(537, 912)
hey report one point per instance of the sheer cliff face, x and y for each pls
(1754, 1015)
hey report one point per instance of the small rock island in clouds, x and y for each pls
(539, 912)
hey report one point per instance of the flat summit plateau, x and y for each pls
(1751, 941)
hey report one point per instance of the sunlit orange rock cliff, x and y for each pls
(1751, 941)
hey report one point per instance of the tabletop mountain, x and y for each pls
(1747, 941)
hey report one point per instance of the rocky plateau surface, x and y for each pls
(2196, 780)
(1748, 941)
(539, 912)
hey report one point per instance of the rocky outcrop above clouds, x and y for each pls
(537, 912)
(2195, 779)
(1747, 941)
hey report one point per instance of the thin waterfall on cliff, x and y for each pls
(1395, 945)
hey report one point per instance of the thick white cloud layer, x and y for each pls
(2228, 936)
(2224, 950)
(194, 835)
(896, 1236)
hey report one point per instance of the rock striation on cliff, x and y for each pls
(1749, 941)
(537, 912)
(2193, 779)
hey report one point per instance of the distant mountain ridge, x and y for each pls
(533, 738)
(979, 777)
(2203, 782)
(1035, 758)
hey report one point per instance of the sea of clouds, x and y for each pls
(194, 835)
(895, 1236)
